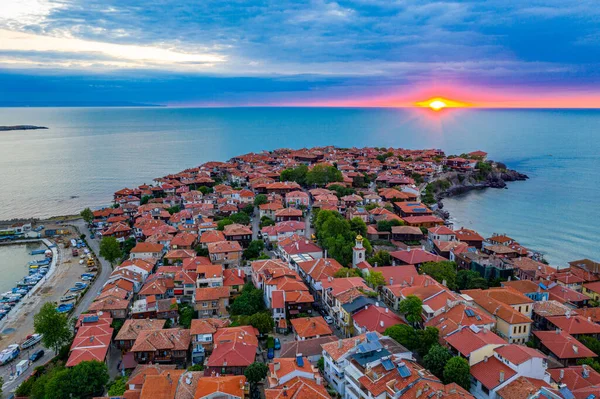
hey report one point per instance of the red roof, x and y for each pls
(416, 256)
(488, 372)
(563, 345)
(575, 324)
(469, 339)
(518, 354)
(376, 318)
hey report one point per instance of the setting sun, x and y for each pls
(439, 103)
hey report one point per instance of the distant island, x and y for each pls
(21, 127)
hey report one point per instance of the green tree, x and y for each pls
(441, 271)
(263, 322)
(375, 279)
(186, 314)
(427, 339)
(260, 199)
(358, 226)
(435, 360)
(381, 258)
(196, 367)
(412, 308)
(89, 379)
(248, 209)
(223, 222)
(266, 221)
(337, 234)
(60, 386)
(200, 250)
(589, 362)
(117, 387)
(322, 174)
(404, 335)
(346, 272)
(470, 279)
(54, 326)
(321, 364)
(240, 218)
(205, 190)
(87, 215)
(128, 245)
(144, 200)
(297, 174)
(591, 343)
(457, 371)
(110, 249)
(174, 209)
(254, 249)
(255, 373)
(386, 225)
(341, 191)
(249, 302)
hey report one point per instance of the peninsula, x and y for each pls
(21, 127)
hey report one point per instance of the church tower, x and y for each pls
(358, 252)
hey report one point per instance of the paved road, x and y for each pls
(6, 371)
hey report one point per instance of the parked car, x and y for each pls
(329, 319)
(37, 355)
(270, 353)
(277, 344)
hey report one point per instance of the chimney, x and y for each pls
(391, 280)
(419, 392)
(585, 373)
(276, 366)
(284, 390)
(340, 343)
(376, 303)
(575, 349)
(381, 323)
(562, 373)
(485, 359)
(356, 342)
(501, 376)
(557, 331)
(319, 380)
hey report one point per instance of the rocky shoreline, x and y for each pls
(462, 183)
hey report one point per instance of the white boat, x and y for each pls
(31, 341)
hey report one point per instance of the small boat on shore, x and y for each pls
(38, 252)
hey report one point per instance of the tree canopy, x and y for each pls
(457, 371)
(87, 215)
(53, 325)
(297, 174)
(441, 271)
(256, 372)
(374, 279)
(380, 258)
(254, 249)
(412, 308)
(347, 272)
(249, 302)
(322, 174)
(110, 249)
(260, 199)
(186, 314)
(263, 322)
(470, 279)
(435, 360)
(240, 218)
(337, 234)
(386, 225)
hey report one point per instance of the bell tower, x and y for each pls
(358, 252)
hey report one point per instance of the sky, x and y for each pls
(496, 53)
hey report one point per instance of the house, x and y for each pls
(580, 380)
(309, 348)
(407, 209)
(471, 237)
(587, 269)
(117, 307)
(298, 387)
(535, 291)
(282, 230)
(162, 386)
(407, 233)
(144, 250)
(222, 387)
(567, 296)
(299, 250)
(211, 236)
(544, 309)
(289, 214)
(209, 276)
(562, 346)
(235, 280)
(574, 325)
(238, 233)
(170, 345)
(473, 343)
(90, 343)
(310, 327)
(184, 240)
(202, 332)
(459, 314)
(158, 286)
(282, 370)
(423, 221)
(314, 271)
(592, 290)
(227, 253)
(373, 317)
(269, 209)
(511, 309)
(339, 291)
(297, 198)
(491, 377)
(414, 257)
(440, 233)
(131, 328)
(234, 349)
(212, 301)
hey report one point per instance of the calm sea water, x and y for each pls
(14, 261)
(88, 153)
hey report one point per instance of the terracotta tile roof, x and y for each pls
(232, 354)
(109, 303)
(209, 271)
(320, 269)
(288, 212)
(574, 325)
(496, 307)
(452, 317)
(298, 388)
(212, 236)
(468, 339)
(592, 313)
(416, 256)
(397, 274)
(376, 318)
(223, 385)
(551, 308)
(192, 264)
(224, 246)
(301, 247)
(340, 347)
(281, 367)
(508, 296)
(563, 345)
(211, 293)
(207, 326)
(309, 327)
(132, 327)
(518, 354)
(566, 294)
(488, 372)
(574, 377)
(138, 375)
(243, 334)
(237, 230)
(161, 386)
(467, 235)
(521, 388)
(308, 347)
(184, 239)
(338, 286)
(142, 247)
(233, 277)
(168, 339)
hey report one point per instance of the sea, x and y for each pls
(88, 153)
